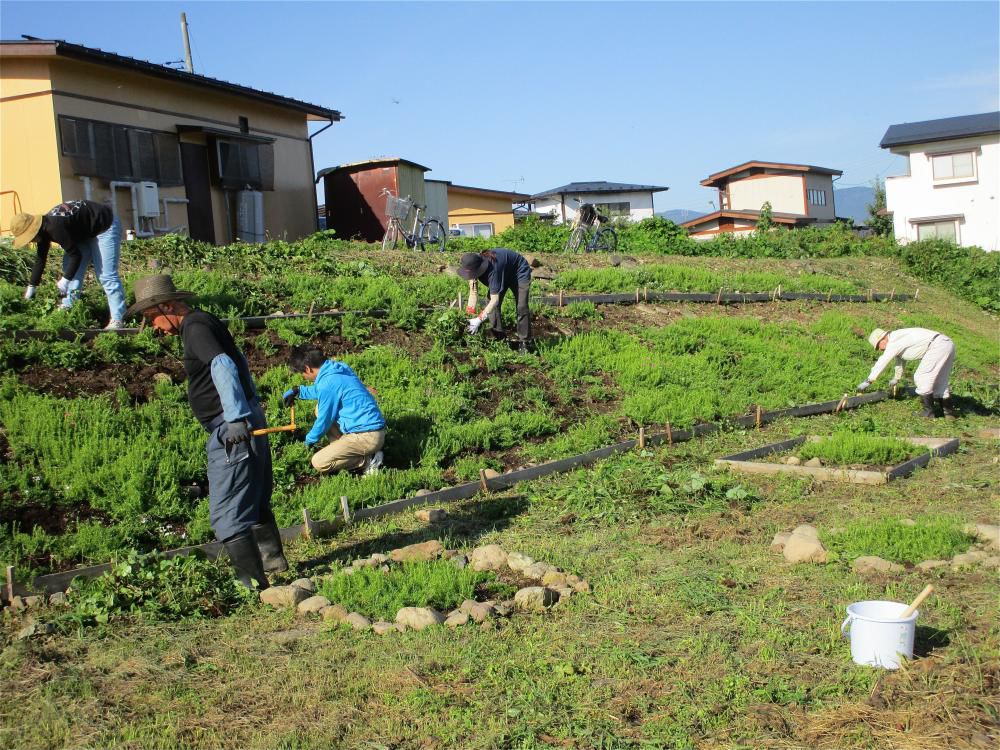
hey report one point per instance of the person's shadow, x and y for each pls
(927, 639)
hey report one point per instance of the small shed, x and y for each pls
(437, 199)
(355, 206)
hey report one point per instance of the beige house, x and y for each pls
(171, 150)
(799, 194)
(481, 212)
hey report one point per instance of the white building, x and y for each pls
(799, 194)
(952, 180)
(613, 199)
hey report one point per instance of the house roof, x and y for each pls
(32, 47)
(360, 166)
(721, 178)
(927, 131)
(778, 217)
(514, 197)
(599, 187)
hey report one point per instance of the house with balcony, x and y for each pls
(799, 194)
(617, 200)
(951, 187)
(168, 149)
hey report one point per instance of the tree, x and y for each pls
(764, 221)
(879, 221)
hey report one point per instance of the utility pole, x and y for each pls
(188, 64)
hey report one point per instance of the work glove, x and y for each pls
(63, 286)
(474, 324)
(470, 310)
(236, 432)
(289, 396)
(29, 291)
(893, 384)
(863, 385)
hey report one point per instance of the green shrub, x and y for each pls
(929, 538)
(860, 448)
(968, 272)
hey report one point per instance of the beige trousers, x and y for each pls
(347, 451)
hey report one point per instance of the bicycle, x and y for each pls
(430, 232)
(587, 225)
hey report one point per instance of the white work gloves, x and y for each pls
(474, 324)
(29, 291)
(863, 385)
(63, 286)
(893, 384)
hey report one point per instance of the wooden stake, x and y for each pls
(670, 435)
(645, 294)
(311, 306)
(482, 480)
(346, 507)
(870, 294)
(560, 297)
(642, 437)
(916, 294)
(842, 404)
(307, 525)
(718, 297)
(637, 295)
(759, 412)
(892, 294)
(10, 583)
(459, 299)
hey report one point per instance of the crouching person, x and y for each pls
(936, 353)
(346, 412)
(223, 397)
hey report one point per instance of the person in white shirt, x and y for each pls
(936, 353)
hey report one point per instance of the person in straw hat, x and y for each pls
(224, 400)
(936, 353)
(501, 270)
(90, 235)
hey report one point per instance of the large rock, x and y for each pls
(57, 599)
(419, 618)
(456, 619)
(312, 605)
(793, 460)
(985, 532)
(806, 529)
(283, 597)
(779, 541)
(34, 629)
(931, 564)
(431, 515)
(336, 612)
(478, 611)
(518, 562)
(803, 546)
(491, 473)
(535, 599)
(382, 627)
(416, 552)
(968, 559)
(305, 584)
(873, 564)
(357, 621)
(488, 557)
(537, 571)
(554, 579)
(814, 462)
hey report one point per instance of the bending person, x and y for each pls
(346, 413)
(501, 270)
(936, 353)
(223, 398)
(89, 234)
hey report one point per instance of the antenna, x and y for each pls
(188, 62)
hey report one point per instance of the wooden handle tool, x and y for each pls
(928, 590)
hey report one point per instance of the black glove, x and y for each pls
(289, 396)
(236, 432)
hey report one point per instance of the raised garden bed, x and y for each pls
(745, 461)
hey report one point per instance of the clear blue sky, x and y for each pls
(658, 93)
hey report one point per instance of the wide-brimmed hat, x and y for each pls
(472, 266)
(25, 227)
(875, 336)
(152, 290)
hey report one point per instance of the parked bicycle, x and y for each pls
(422, 233)
(588, 233)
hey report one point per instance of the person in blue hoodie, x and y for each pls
(346, 412)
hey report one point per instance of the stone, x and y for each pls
(460, 561)
(312, 605)
(806, 529)
(793, 460)
(382, 627)
(804, 548)
(814, 461)
(305, 584)
(364, 562)
(518, 562)
(537, 571)
(431, 515)
(581, 587)
(456, 619)
(418, 552)
(992, 562)
(282, 597)
(162, 378)
(34, 601)
(873, 564)
(778, 543)
(907, 522)
(357, 621)
(378, 558)
(565, 592)
(35, 629)
(422, 492)
(504, 608)
(554, 579)
(968, 559)
(57, 599)
(488, 557)
(419, 618)
(348, 571)
(335, 612)
(491, 473)
(17, 602)
(534, 599)
(931, 564)
(478, 611)
(984, 532)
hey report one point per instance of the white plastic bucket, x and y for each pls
(878, 637)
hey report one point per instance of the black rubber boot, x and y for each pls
(524, 347)
(947, 407)
(268, 540)
(928, 402)
(245, 559)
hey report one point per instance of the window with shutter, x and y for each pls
(168, 159)
(118, 152)
(143, 155)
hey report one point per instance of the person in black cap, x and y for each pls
(223, 398)
(501, 270)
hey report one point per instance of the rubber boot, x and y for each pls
(268, 540)
(245, 559)
(524, 347)
(928, 402)
(947, 407)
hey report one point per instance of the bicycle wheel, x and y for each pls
(606, 240)
(391, 236)
(576, 238)
(433, 233)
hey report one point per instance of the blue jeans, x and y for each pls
(102, 253)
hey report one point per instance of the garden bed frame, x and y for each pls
(744, 462)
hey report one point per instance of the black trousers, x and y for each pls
(523, 313)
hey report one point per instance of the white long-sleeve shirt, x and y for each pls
(905, 344)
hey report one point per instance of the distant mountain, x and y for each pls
(680, 215)
(852, 203)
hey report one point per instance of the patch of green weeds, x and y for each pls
(859, 448)
(930, 538)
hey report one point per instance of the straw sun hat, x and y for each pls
(150, 291)
(25, 227)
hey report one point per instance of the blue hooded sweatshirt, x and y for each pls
(343, 399)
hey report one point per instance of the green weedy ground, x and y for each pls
(695, 634)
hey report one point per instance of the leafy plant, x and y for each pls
(860, 448)
(929, 538)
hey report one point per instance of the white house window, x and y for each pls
(623, 208)
(475, 230)
(817, 197)
(954, 166)
(938, 230)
